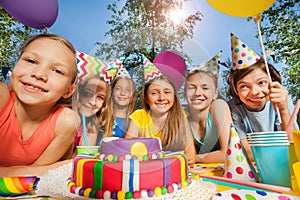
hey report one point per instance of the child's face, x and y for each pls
(160, 96)
(253, 89)
(92, 97)
(44, 73)
(200, 91)
(122, 92)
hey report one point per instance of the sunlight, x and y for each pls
(175, 16)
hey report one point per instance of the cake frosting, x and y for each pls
(128, 168)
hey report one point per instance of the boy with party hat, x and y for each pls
(209, 117)
(161, 114)
(255, 96)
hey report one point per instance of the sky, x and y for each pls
(84, 23)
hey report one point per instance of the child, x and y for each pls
(162, 116)
(209, 117)
(254, 96)
(36, 129)
(93, 95)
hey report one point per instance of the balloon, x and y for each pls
(241, 8)
(171, 63)
(34, 13)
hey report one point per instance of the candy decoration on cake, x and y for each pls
(13, 186)
(236, 165)
(242, 55)
(211, 65)
(89, 66)
(150, 70)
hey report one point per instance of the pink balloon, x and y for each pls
(171, 63)
(34, 13)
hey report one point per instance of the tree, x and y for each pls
(146, 25)
(12, 34)
(281, 27)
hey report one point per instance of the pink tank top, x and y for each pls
(13, 150)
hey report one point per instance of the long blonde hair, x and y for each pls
(173, 132)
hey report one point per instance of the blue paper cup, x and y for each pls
(272, 163)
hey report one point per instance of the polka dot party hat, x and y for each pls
(118, 63)
(150, 70)
(211, 65)
(88, 66)
(236, 165)
(242, 55)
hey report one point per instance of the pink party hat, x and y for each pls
(211, 65)
(150, 70)
(88, 66)
(236, 164)
(242, 55)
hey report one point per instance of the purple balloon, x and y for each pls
(34, 13)
(171, 63)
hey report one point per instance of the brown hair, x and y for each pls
(236, 75)
(174, 131)
(104, 117)
(132, 103)
(65, 42)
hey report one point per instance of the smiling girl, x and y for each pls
(36, 129)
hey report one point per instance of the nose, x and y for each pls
(161, 97)
(92, 101)
(255, 89)
(198, 91)
(40, 74)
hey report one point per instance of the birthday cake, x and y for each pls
(129, 168)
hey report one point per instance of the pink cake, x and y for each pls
(129, 168)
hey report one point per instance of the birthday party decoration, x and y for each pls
(171, 63)
(236, 165)
(211, 65)
(14, 186)
(34, 13)
(238, 8)
(242, 55)
(150, 70)
(89, 66)
(118, 63)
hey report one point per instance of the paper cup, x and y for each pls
(273, 164)
(87, 150)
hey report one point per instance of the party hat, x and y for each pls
(89, 66)
(242, 55)
(236, 164)
(13, 186)
(121, 69)
(211, 65)
(150, 70)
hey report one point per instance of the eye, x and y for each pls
(87, 94)
(29, 60)
(100, 97)
(59, 72)
(263, 82)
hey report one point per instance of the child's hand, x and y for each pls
(278, 95)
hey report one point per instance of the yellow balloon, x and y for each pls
(241, 8)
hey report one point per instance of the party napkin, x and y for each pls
(14, 186)
(236, 164)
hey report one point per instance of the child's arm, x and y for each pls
(190, 150)
(279, 98)
(133, 130)
(4, 91)
(221, 116)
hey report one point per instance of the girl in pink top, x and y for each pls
(36, 130)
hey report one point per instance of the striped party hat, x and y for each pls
(150, 70)
(89, 66)
(121, 69)
(242, 55)
(13, 186)
(211, 65)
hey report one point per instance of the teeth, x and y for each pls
(35, 88)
